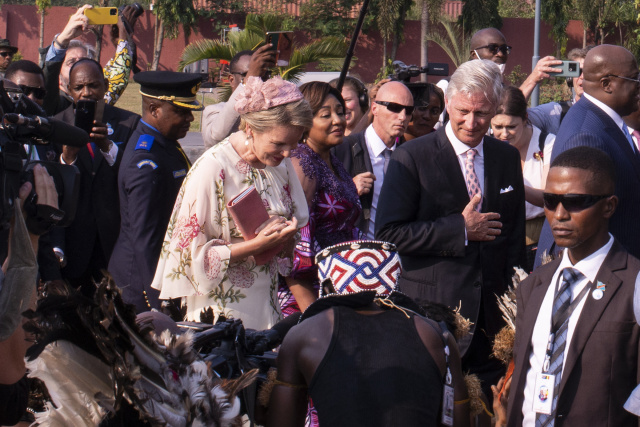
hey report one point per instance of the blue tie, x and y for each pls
(625, 130)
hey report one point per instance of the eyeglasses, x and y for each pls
(494, 48)
(396, 108)
(243, 75)
(571, 202)
(5, 54)
(434, 111)
(637, 80)
(38, 92)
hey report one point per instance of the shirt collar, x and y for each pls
(147, 124)
(590, 265)
(375, 142)
(460, 147)
(609, 112)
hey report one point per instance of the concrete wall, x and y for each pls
(21, 25)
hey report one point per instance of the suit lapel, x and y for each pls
(449, 166)
(593, 309)
(617, 137)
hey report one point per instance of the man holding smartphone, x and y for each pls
(88, 242)
(221, 120)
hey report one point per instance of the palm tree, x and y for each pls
(453, 42)
(329, 52)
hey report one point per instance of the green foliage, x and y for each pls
(517, 8)
(516, 77)
(327, 52)
(478, 14)
(554, 90)
(175, 14)
(330, 18)
(43, 5)
(452, 40)
(385, 72)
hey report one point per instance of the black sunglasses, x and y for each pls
(38, 92)
(494, 48)
(571, 202)
(5, 54)
(396, 108)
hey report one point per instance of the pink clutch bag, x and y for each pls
(249, 213)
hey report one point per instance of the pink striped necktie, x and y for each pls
(473, 185)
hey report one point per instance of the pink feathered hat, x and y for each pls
(259, 96)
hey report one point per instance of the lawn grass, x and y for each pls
(130, 100)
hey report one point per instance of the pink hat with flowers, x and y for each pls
(258, 95)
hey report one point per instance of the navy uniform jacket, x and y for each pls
(150, 176)
(97, 219)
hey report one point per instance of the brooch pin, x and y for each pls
(539, 155)
(598, 292)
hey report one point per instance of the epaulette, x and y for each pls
(145, 142)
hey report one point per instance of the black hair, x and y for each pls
(84, 60)
(359, 88)
(316, 92)
(588, 158)
(234, 61)
(513, 103)
(23, 65)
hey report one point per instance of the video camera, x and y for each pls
(22, 128)
(403, 72)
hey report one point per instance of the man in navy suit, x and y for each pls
(610, 92)
(453, 203)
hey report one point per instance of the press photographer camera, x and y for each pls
(403, 72)
(23, 127)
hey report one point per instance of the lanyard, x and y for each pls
(555, 326)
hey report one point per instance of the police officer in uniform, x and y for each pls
(151, 173)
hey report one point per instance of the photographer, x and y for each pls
(65, 51)
(17, 292)
(88, 242)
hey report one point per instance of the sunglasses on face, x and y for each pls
(636, 80)
(396, 108)
(5, 54)
(494, 48)
(571, 202)
(38, 92)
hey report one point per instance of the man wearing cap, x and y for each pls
(6, 55)
(152, 170)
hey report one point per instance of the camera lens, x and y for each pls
(113, 11)
(573, 67)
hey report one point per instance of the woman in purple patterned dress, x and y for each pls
(332, 197)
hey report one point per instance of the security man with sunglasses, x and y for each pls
(490, 43)
(611, 90)
(365, 155)
(576, 346)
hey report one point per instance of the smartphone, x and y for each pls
(569, 69)
(85, 114)
(281, 42)
(102, 15)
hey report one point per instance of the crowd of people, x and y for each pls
(387, 218)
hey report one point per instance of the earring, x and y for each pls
(246, 141)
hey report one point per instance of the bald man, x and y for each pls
(610, 82)
(365, 155)
(490, 43)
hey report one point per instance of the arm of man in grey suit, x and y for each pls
(399, 205)
(218, 120)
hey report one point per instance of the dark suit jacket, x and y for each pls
(149, 180)
(587, 125)
(420, 210)
(354, 156)
(98, 213)
(601, 367)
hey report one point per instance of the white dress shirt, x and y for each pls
(461, 152)
(109, 156)
(375, 147)
(589, 267)
(609, 112)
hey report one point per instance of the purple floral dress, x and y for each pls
(333, 214)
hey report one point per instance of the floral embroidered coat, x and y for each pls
(194, 262)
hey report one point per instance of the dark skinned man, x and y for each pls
(88, 243)
(152, 170)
